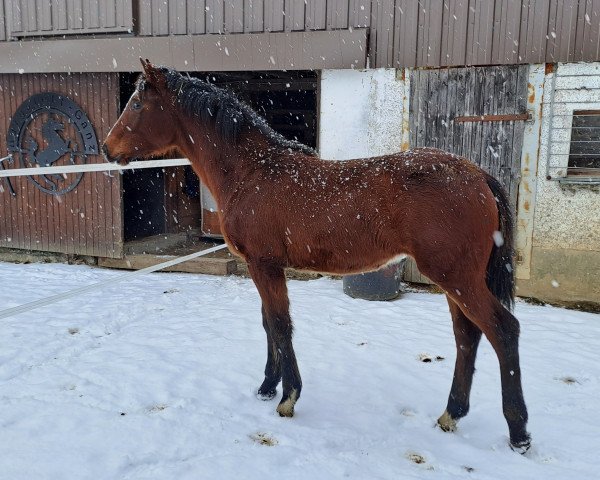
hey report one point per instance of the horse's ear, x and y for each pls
(154, 75)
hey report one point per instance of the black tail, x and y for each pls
(500, 271)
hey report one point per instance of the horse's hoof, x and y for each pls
(286, 407)
(266, 395)
(446, 422)
(521, 447)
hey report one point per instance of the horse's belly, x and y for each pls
(344, 259)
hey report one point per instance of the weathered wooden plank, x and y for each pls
(337, 14)
(469, 108)
(405, 33)
(108, 14)
(235, 16)
(144, 19)
(534, 29)
(480, 32)
(360, 13)
(196, 16)
(44, 15)
(123, 13)
(205, 265)
(561, 30)
(3, 15)
(413, 108)
(215, 16)
(16, 23)
(92, 14)
(295, 15)
(430, 33)
(317, 14)
(384, 34)
(505, 44)
(454, 32)
(455, 78)
(274, 15)
(177, 17)
(254, 16)
(587, 40)
(31, 18)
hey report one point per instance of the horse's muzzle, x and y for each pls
(119, 159)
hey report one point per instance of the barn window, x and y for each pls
(584, 153)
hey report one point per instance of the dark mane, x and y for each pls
(221, 109)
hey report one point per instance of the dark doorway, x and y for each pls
(157, 201)
(144, 212)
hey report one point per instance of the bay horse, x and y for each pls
(282, 206)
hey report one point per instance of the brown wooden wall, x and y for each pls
(87, 220)
(402, 33)
(405, 33)
(25, 18)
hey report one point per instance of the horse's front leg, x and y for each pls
(270, 282)
(268, 389)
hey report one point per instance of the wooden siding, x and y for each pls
(2, 22)
(26, 18)
(86, 220)
(405, 33)
(402, 33)
(253, 51)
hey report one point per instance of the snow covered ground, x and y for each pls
(155, 379)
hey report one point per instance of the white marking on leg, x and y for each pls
(286, 409)
(446, 422)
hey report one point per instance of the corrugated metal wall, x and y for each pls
(61, 17)
(405, 33)
(87, 220)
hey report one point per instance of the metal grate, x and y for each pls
(573, 117)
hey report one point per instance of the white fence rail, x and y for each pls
(92, 167)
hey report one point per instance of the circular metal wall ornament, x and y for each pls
(49, 129)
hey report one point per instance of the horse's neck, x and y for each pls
(221, 166)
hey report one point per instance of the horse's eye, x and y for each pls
(136, 106)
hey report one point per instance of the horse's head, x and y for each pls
(146, 128)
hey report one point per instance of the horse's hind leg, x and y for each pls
(270, 282)
(467, 337)
(268, 389)
(502, 330)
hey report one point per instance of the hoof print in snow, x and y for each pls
(263, 439)
(425, 358)
(407, 412)
(157, 408)
(73, 331)
(418, 459)
(568, 380)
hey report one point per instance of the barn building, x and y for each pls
(514, 86)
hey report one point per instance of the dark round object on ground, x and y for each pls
(382, 284)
